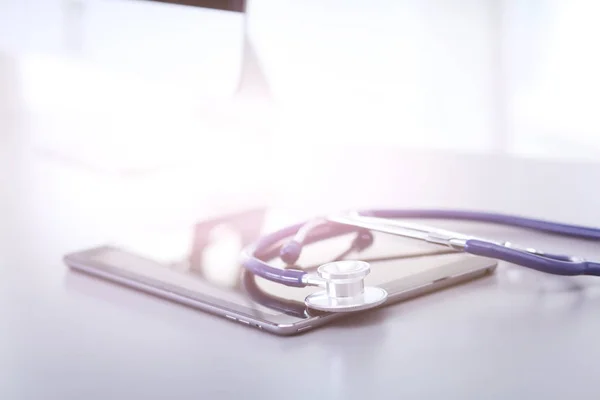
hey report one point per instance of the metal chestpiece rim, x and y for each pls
(345, 289)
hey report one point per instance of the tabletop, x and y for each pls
(515, 334)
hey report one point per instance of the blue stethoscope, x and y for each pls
(343, 281)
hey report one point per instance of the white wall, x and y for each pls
(122, 83)
(553, 81)
(466, 75)
(415, 73)
(198, 50)
(474, 76)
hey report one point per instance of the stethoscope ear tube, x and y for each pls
(558, 265)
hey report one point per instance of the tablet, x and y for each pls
(209, 277)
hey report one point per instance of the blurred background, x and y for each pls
(193, 108)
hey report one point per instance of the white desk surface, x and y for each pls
(514, 335)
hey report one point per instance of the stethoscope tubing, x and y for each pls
(575, 231)
(549, 263)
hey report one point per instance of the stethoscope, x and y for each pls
(343, 281)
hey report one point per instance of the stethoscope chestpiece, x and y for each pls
(345, 289)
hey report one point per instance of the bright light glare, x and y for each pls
(170, 157)
(115, 123)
